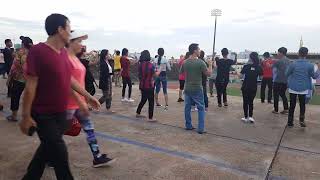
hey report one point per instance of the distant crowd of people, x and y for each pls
(59, 88)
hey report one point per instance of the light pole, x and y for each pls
(215, 13)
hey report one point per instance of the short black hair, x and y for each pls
(266, 54)
(283, 50)
(125, 52)
(224, 52)
(145, 56)
(53, 22)
(202, 55)
(193, 47)
(303, 52)
(7, 41)
(117, 52)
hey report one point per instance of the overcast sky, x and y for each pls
(259, 25)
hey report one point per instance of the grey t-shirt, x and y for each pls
(279, 68)
(194, 69)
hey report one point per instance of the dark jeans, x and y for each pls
(126, 81)
(266, 82)
(205, 95)
(302, 103)
(248, 98)
(279, 89)
(52, 148)
(107, 95)
(221, 91)
(16, 91)
(147, 94)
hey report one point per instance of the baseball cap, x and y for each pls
(78, 35)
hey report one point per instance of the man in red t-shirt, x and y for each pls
(48, 85)
(267, 77)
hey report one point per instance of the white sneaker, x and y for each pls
(166, 108)
(251, 119)
(244, 120)
(130, 100)
(124, 99)
(195, 109)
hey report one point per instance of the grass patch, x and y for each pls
(232, 91)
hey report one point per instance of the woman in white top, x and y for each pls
(105, 82)
(162, 65)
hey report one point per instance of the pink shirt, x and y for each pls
(182, 76)
(78, 72)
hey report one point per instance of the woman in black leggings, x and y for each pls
(251, 72)
(146, 73)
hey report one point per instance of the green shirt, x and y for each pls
(194, 69)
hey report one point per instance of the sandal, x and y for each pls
(10, 118)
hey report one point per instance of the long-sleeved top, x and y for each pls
(299, 75)
(279, 70)
(223, 69)
(105, 73)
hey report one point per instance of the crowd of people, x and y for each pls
(59, 88)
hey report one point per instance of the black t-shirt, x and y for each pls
(223, 69)
(204, 76)
(8, 55)
(251, 73)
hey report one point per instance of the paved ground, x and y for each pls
(164, 150)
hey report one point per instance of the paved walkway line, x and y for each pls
(188, 156)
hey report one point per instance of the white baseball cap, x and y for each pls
(76, 35)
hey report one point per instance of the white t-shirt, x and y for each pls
(110, 68)
(164, 64)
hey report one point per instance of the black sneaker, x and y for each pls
(226, 104)
(219, 105)
(180, 100)
(190, 129)
(262, 101)
(202, 132)
(290, 125)
(284, 112)
(302, 124)
(103, 160)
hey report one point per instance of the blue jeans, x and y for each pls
(198, 99)
(161, 80)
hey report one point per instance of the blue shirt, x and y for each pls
(299, 75)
